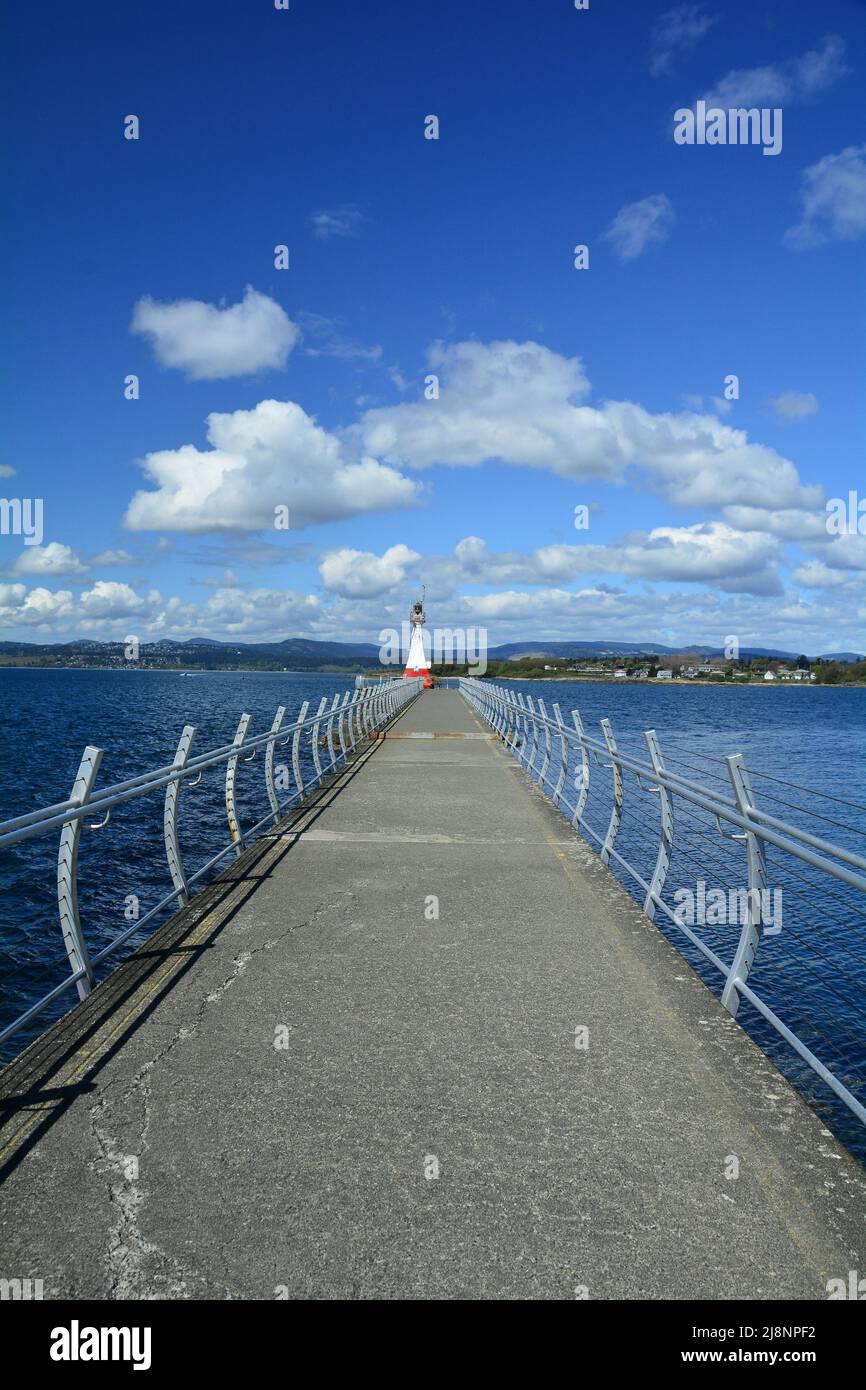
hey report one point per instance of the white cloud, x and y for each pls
(52, 559)
(816, 575)
(520, 403)
(361, 574)
(795, 405)
(705, 553)
(345, 221)
(6, 471)
(833, 197)
(846, 553)
(109, 611)
(113, 557)
(255, 613)
(34, 607)
(782, 84)
(550, 611)
(109, 599)
(676, 34)
(209, 343)
(639, 225)
(273, 455)
(788, 523)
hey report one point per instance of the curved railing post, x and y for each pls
(273, 799)
(536, 741)
(616, 812)
(169, 817)
(514, 729)
(314, 738)
(757, 871)
(296, 749)
(352, 718)
(329, 732)
(666, 816)
(545, 761)
(67, 874)
(231, 778)
(583, 789)
(524, 717)
(502, 719)
(563, 755)
(340, 735)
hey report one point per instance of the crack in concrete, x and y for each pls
(137, 1267)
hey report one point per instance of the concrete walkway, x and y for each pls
(349, 1070)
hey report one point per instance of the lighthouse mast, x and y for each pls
(416, 662)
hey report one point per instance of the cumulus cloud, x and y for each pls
(815, 575)
(784, 83)
(361, 574)
(795, 405)
(640, 225)
(788, 523)
(705, 553)
(549, 611)
(6, 471)
(252, 613)
(676, 34)
(274, 455)
(833, 198)
(208, 342)
(108, 611)
(110, 599)
(52, 559)
(522, 404)
(845, 553)
(34, 607)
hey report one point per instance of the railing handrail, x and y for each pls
(364, 710)
(511, 714)
(37, 822)
(760, 822)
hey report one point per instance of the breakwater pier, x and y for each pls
(417, 1040)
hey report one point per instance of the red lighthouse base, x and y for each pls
(424, 675)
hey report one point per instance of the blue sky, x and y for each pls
(558, 387)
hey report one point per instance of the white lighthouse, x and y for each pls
(416, 662)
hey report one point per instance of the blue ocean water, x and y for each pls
(47, 717)
(805, 748)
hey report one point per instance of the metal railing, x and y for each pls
(337, 728)
(689, 818)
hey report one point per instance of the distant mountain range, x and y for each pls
(513, 651)
(301, 653)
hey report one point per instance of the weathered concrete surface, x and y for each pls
(412, 1044)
